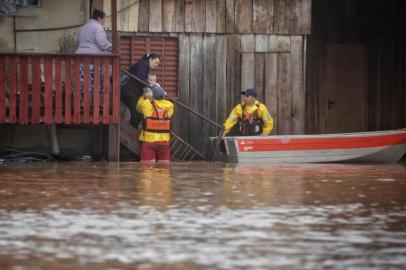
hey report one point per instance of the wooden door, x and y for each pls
(345, 97)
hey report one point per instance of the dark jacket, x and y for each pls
(141, 70)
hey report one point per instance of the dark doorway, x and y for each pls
(346, 95)
(338, 28)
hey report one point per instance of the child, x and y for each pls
(151, 78)
(152, 81)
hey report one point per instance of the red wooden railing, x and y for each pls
(47, 88)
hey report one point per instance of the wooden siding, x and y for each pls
(213, 16)
(155, 16)
(263, 10)
(292, 17)
(377, 25)
(214, 69)
(127, 14)
(47, 89)
(226, 46)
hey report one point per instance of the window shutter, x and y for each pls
(133, 48)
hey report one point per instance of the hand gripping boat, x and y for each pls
(375, 147)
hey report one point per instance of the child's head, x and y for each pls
(151, 78)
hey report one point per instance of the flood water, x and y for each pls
(202, 216)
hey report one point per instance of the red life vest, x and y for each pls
(158, 122)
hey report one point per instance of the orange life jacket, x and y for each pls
(158, 122)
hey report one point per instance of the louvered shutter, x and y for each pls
(133, 48)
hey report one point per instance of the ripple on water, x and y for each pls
(222, 217)
(223, 237)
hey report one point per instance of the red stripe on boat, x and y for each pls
(286, 144)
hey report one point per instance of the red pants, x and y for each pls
(155, 151)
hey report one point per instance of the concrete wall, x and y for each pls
(52, 14)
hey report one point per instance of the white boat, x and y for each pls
(372, 147)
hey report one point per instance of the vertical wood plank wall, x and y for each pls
(285, 17)
(378, 25)
(226, 46)
(213, 69)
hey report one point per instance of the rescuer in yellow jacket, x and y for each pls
(155, 134)
(251, 118)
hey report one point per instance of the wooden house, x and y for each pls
(212, 50)
(319, 66)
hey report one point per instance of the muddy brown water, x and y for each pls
(202, 215)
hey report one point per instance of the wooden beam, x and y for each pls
(284, 93)
(263, 16)
(230, 16)
(221, 16)
(196, 86)
(199, 16)
(209, 84)
(169, 16)
(271, 88)
(221, 78)
(292, 17)
(114, 25)
(114, 143)
(114, 130)
(298, 91)
(180, 16)
(184, 84)
(143, 16)
(211, 16)
(155, 16)
(243, 16)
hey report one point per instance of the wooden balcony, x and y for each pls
(48, 89)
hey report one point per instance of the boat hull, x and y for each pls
(371, 147)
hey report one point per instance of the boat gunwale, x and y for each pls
(326, 135)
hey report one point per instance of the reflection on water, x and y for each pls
(202, 216)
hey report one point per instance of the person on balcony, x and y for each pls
(155, 136)
(131, 89)
(251, 118)
(92, 39)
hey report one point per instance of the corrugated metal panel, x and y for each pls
(125, 56)
(133, 48)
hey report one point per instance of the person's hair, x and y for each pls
(98, 14)
(151, 56)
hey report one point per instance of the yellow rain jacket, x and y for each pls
(145, 107)
(237, 112)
